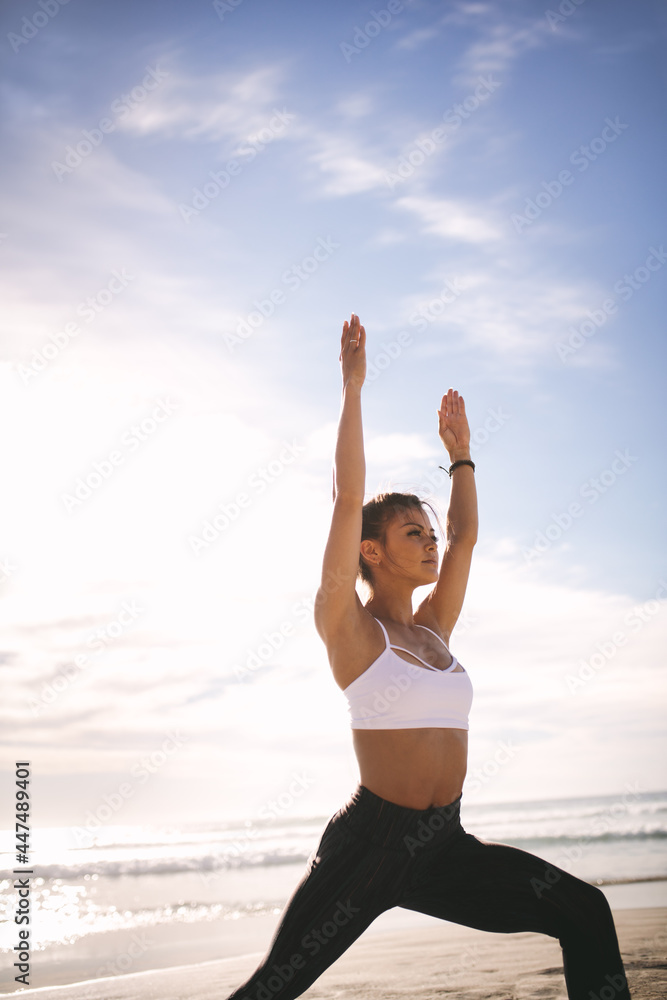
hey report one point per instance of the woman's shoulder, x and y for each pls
(354, 644)
(425, 617)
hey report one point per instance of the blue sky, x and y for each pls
(194, 198)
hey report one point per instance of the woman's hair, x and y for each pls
(376, 515)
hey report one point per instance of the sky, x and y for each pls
(194, 198)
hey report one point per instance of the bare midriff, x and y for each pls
(417, 768)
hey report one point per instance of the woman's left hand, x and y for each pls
(453, 429)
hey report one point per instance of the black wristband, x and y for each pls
(454, 465)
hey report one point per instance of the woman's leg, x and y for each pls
(498, 888)
(347, 884)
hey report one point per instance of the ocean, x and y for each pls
(135, 898)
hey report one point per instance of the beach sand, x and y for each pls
(445, 960)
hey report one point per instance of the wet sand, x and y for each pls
(439, 961)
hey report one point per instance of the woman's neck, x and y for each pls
(392, 607)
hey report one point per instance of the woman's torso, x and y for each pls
(413, 767)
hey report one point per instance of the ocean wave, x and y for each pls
(621, 825)
(156, 866)
(149, 864)
(583, 838)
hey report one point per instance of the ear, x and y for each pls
(370, 551)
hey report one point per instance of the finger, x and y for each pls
(350, 335)
(355, 333)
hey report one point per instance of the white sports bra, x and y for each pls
(395, 694)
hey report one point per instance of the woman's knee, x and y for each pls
(584, 906)
(579, 902)
(595, 901)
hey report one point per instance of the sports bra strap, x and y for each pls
(386, 634)
(417, 657)
(435, 634)
(390, 645)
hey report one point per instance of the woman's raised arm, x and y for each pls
(443, 605)
(337, 597)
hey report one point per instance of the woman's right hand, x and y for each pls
(353, 353)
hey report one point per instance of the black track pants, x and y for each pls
(374, 855)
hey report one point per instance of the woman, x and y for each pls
(399, 841)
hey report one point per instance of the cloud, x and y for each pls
(211, 107)
(559, 658)
(510, 306)
(356, 105)
(415, 39)
(512, 639)
(163, 337)
(386, 237)
(504, 40)
(398, 450)
(344, 170)
(505, 36)
(452, 220)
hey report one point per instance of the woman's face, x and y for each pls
(412, 545)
